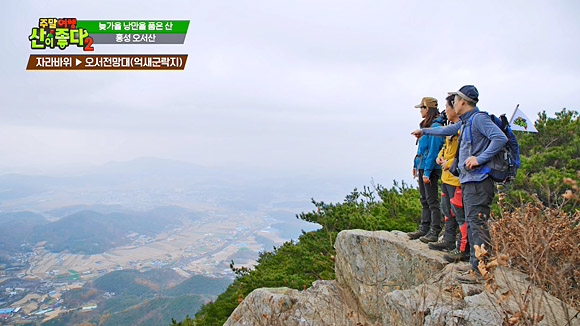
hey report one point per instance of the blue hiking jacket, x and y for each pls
(428, 150)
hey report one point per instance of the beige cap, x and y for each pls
(429, 102)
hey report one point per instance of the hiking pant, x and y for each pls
(431, 213)
(477, 198)
(454, 217)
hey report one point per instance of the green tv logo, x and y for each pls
(61, 33)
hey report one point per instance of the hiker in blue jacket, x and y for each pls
(428, 173)
(480, 140)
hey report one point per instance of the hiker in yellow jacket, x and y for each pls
(451, 201)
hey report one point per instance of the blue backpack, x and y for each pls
(505, 164)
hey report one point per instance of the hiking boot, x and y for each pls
(442, 246)
(429, 237)
(456, 256)
(416, 234)
(470, 277)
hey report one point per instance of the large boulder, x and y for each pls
(372, 264)
(325, 303)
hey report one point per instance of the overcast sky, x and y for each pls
(305, 86)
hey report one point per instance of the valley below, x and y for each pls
(201, 247)
(66, 287)
(140, 242)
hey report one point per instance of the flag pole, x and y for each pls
(513, 114)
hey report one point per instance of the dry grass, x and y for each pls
(543, 243)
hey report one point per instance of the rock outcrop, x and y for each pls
(383, 278)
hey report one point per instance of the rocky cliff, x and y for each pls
(383, 278)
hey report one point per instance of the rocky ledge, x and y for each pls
(383, 278)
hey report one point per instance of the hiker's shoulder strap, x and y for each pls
(471, 123)
(475, 114)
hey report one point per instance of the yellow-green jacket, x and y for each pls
(448, 153)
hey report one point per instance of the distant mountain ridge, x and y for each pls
(69, 210)
(87, 231)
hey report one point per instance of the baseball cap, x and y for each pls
(429, 102)
(468, 93)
